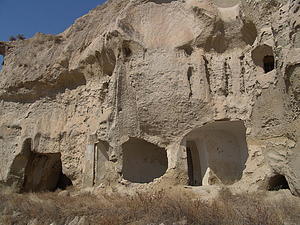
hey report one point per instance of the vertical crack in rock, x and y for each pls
(119, 90)
(227, 76)
(242, 75)
(189, 76)
(207, 73)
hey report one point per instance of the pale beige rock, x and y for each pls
(164, 73)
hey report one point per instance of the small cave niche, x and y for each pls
(107, 61)
(127, 51)
(263, 57)
(36, 172)
(249, 32)
(278, 182)
(143, 161)
(187, 49)
(70, 80)
(216, 153)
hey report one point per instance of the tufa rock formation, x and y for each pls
(191, 92)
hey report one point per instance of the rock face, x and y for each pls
(157, 90)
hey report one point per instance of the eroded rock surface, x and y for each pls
(215, 84)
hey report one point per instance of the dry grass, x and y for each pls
(143, 208)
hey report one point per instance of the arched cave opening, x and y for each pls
(43, 172)
(278, 182)
(263, 57)
(143, 161)
(216, 153)
(269, 63)
(36, 172)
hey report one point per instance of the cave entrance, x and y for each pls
(194, 167)
(278, 182)
(143, 161)
(42, 172)
(263, 57)
(216, 152)
(35, 172)
(268, 63)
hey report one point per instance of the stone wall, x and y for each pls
(158, 71)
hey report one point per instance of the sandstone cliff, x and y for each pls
(194, 92)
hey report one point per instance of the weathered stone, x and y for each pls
(158, 90)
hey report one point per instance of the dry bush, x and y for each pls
(143, 208)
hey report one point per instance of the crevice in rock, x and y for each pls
(143, 161)
(242, 75)
(189, 76)
(227, 75)
(207, 73)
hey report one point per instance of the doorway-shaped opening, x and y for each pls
(263, 57)
(143, 161)
(34, 172)
(278, 182)
(216, 152)
(268, 63)
(101, 158)
(42, 172)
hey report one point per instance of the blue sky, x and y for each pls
(30, 16)
(47, 16)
